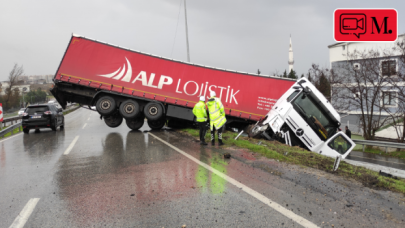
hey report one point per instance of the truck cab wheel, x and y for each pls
(113, 121)
(26, 131)
(157, 124)
(153, 111)
(106, 105)
(136, 123)
(129, 109)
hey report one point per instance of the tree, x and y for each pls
(309, 77)
(398, 115)
(324, 86)
(258, 71)
(357, 86)
(285, 74)
(292, 74)
(16, 72)
(302, 75)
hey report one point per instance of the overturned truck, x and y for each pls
(130, 85)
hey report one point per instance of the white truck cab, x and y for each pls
(304, 117)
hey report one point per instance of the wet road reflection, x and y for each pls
(377, 159)
(206, 180)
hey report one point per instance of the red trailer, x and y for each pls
(123, 83)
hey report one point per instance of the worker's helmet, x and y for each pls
(213, 94)
(202, 98)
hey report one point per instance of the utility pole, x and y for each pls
(185, 14)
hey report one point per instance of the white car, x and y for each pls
(21, 111)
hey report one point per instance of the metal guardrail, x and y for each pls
(10, 129)
(379, 143)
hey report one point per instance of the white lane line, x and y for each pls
(18, 134)
(84, 126)
(287, 213)
(22, 218)
(72, 144)
(88, 119)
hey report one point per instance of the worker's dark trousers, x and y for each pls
(203, 130)
(219, 134)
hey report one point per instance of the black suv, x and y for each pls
(42, 116)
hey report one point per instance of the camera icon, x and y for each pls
(353, 23)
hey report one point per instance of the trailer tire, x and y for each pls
(136, 123)
(157, 124)
(106, 105)
(113, 121)
(153, 111)
(129, 109)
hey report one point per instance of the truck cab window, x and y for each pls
(340, 144)
(314, 116)
(291, 97)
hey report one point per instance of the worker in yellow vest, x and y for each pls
(200, 112)
(217, 117)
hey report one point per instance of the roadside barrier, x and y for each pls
(379, 143)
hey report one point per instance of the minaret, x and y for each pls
(290, 58)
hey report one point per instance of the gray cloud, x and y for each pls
(239, 35)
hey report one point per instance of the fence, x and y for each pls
(379, 143)
(10, 129)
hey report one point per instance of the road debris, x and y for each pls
(227, 155)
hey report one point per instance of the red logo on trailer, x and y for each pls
(359, 25)
(1, 112)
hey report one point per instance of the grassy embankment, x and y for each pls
(299, 156)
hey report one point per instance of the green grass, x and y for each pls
(298, 156)
(9, 134)
(390, 125)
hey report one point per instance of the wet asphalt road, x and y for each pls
(377, 159)
(120, 178)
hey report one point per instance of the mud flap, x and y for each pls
(287, 138)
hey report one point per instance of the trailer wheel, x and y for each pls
(153, 111)
(136, 123)
(113, 121)
(129, 109)
(157, 124)
(105, 105)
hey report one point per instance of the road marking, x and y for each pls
(72, 144)
(287, 213)
(84, 126)
(18, 134)
(22, 218)
(88, 119)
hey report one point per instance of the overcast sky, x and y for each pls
(238, 35)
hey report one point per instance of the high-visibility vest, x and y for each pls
(200, 111)
(217, 113)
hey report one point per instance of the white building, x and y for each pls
(6, 84)
(338, 52)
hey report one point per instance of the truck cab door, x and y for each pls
(339, 144)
